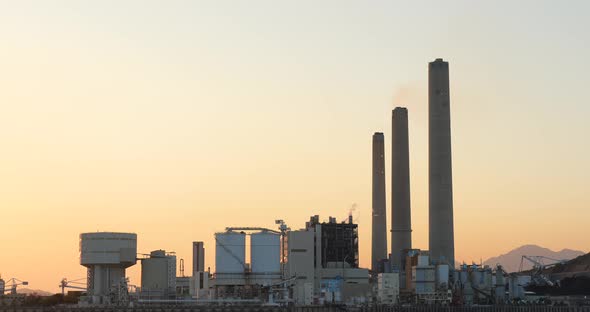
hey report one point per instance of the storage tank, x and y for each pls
(106, 255)
(265, 252)
(482, 280)
(442, 276)
(158, 275)
(230, 252)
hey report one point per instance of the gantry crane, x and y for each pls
(538, 276)
(12, 284)
(66, 284)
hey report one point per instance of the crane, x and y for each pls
(537, 273)
(283, 229)
(538, 261)
(14, 283)
(64, 283)
(249, 228)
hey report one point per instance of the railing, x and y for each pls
(262, 308)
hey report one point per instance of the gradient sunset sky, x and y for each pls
(175, 119)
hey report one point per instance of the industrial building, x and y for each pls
(388, 288)
(425, 281)
(158, 275)
(301, 264)
(323, 260)
(335, 242)
(320, 265)
(199, 285)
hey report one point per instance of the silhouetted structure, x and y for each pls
(379, 222)
(440, 182)
(338, 242)
(401, 214)
(198, 257)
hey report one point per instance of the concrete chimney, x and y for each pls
(198, 257)
(379, 235)
(440, 177)
(401, 213)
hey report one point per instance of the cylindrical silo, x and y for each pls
(265, 252)
(230, 252)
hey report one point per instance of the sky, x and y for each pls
(176, 119)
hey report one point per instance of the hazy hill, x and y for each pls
(29, 291)
(511, 260)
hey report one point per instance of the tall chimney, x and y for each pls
(401, 213)
(198, 257)
(379, 235)
(440, 177)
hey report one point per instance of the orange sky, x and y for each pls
(176, 121)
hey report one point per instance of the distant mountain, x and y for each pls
(511, 260)
(38, 292)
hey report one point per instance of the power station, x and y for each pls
(317, 263)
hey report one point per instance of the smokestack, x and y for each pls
(440, 177)
(379, 235)
(198, 257)
(401, 213)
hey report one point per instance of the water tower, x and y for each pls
(106, 255)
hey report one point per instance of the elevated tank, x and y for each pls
(265, 252)
(230, 252)
(108, 248)
(106, 255)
